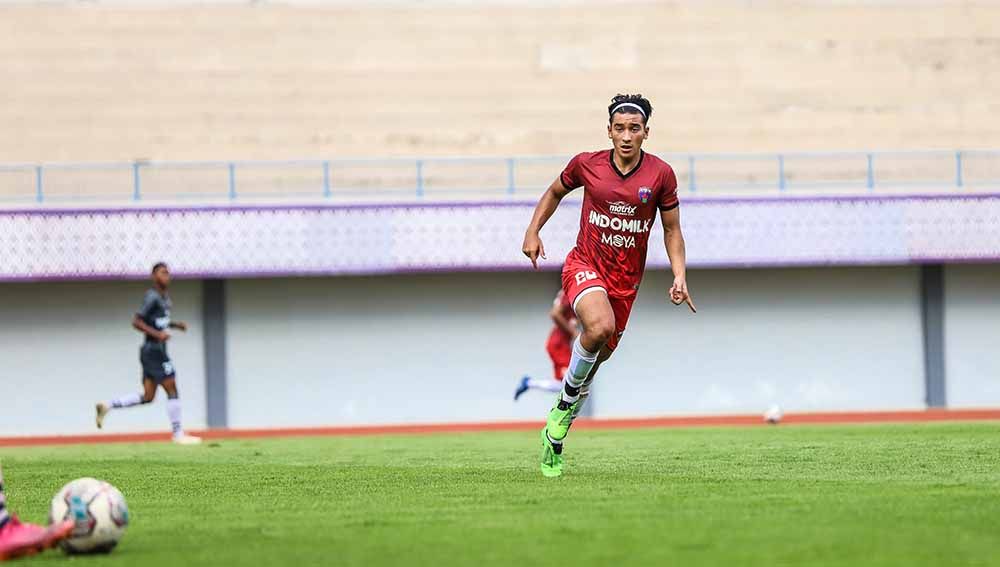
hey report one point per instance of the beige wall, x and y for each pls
(86, 82)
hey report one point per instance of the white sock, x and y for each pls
(174, 413)
(126, 401)
(547, 384)
(580, 364)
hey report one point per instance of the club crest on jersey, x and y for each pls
(644, 194)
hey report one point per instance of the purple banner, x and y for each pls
(264, 241)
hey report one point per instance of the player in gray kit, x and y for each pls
(153, 321)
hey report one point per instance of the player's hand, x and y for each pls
(679, 294)
(163, 336)
(533, 248)
(181, 325)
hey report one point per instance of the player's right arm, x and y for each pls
(568, 326)
(145, 329)
(532, 246)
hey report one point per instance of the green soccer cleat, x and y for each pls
(560, 418)
(552, 461)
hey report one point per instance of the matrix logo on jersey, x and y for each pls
(644, 194)
(622, 208)
(636, 226)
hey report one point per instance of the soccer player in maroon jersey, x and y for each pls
(559, 346)
(624, 189)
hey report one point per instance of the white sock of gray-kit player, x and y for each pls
(174, 413)
(126, 401)
(580, 364)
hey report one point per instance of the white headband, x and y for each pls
(630, 105)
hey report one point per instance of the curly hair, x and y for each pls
(627, 103)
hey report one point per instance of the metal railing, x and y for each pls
(707, 174)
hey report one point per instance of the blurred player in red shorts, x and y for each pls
(559, 347)
(625, 189)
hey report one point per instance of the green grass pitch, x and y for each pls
(925, 494)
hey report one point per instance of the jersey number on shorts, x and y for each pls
(168, 368)
(584, 276)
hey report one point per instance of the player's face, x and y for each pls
(162, 276)
(627, 132)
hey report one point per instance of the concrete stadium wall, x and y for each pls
(439, 348)
(65, 346)
(972, 335)
(378, 350)
(450, 348)
(807, 339)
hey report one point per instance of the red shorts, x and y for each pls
(579, 278)
(559, 350)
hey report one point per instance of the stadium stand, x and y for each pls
(125, 82)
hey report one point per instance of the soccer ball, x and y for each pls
(99, 511)
(773, 415)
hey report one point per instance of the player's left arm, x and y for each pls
(673, 240)
(179, 325)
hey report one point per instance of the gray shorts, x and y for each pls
(155, 362)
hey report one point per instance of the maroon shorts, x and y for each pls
(579, 279)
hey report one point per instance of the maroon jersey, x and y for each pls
(618, 212)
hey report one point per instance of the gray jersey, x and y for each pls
(155, 312)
